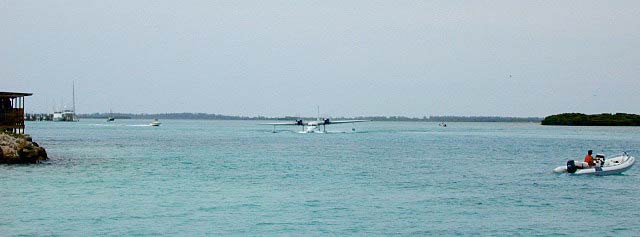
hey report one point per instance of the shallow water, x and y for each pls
(236, 177)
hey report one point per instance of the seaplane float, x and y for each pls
(615, 165)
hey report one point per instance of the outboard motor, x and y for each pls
(571, 166)
(299, 122)
(327, 121)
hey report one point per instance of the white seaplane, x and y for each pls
(314, 126)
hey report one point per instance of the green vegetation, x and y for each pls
(576, 119)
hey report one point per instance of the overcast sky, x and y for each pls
(274, 58)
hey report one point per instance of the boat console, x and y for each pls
(599, 160)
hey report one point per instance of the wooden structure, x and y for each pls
(12, 111)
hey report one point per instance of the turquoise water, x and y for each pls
(237, 178)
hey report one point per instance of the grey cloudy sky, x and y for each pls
(276, 58)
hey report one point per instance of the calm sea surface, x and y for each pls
(196, 178)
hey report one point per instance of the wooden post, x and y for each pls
(22, 115)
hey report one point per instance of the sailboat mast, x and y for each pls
(73, 95)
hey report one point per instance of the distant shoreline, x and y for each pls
(205, 116)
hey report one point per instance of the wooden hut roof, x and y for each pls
(13, 94)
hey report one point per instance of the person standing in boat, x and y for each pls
(589, 159)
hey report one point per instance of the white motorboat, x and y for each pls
(155, 123)
(615, 165)
(65, 116)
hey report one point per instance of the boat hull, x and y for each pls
(615, 165)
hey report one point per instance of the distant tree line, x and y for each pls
(195, 116)
(205, 116)
(577, 119)
(450, 119)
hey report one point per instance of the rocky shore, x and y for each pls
(20, 149)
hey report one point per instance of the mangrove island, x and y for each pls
(577, 119)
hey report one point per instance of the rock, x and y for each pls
(20, 149)
(42, 154)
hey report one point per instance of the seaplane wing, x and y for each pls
(292, 123)
(327, 122)
(284, 124)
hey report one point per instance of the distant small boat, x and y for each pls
(155, 123)
(110, 118)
